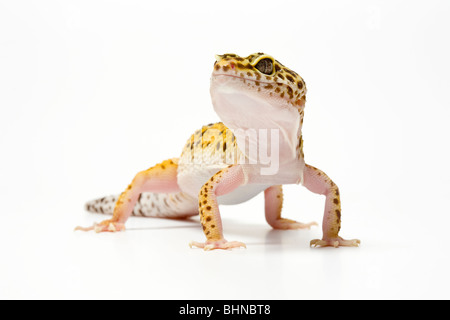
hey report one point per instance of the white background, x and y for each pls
(92, 92)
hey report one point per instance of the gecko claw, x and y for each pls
(287, 224)
(80, 228)
(104, 226)
(334, 242)
(219, 244)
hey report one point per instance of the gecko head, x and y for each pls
(261, 75)
(256, 86)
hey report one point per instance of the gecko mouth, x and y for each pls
(214, 76)
(272, 89)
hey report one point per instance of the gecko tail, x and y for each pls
(158, 205)
(103, 205)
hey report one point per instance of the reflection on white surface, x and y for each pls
(152, 260)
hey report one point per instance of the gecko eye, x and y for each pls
(265, 66)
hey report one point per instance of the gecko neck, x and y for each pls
(262, 128)
(279, 136)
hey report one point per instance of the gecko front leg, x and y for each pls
(221, 183)
(317, 181)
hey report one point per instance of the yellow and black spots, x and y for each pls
(208, 209)
(207, 202)
(161, 167)
(319, 182)
(335, 209)
(300, 154)
(214, 143)
(265, 74)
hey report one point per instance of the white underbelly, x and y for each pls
(191, 178)
(242, 194)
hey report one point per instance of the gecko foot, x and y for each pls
(286, 224)
(335, 242)
(217, 244)
(104, 226)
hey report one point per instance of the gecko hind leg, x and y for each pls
(273, 197)
(161, 178)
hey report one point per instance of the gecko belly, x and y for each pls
(191, 178)
(241, 194)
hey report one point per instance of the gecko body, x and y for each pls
(258, 147)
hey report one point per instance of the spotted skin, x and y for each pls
(210, 165)
(223, 182)
(273, 205)
(318, 182)
(161, 178)
(157, 205)
(214, 143)
(283, 82)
